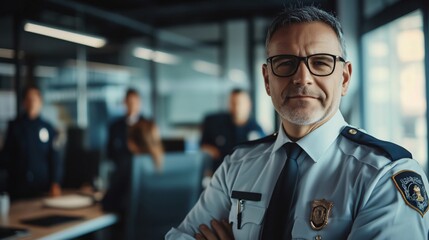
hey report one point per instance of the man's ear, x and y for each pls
(347, 74)
(266, 80)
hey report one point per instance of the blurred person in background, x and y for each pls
(117, 144)
(129, 136)
(222, 131)
(30, 155)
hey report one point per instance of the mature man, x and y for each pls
(29, 154)
(338, 182)
(221, 132)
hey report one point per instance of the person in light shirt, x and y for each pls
(346, 184)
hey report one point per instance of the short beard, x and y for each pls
(297, 117)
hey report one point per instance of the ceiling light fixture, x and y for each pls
(67, 35)
(156, 56)
(206, 67)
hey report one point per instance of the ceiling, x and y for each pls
(121, 20)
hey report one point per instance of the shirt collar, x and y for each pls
(27, 118)
(318, 141)
(133, 119)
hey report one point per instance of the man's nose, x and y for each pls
(303, 75)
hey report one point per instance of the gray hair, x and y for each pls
(306, 14)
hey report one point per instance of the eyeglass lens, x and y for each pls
(318, 64)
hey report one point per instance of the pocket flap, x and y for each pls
(250, 214)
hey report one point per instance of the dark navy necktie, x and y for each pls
(276, 219)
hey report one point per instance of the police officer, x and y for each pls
(349, 185)
(221, 132)
(31, 159)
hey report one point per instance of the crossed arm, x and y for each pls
(220, 230)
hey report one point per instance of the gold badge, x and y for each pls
(320, 211)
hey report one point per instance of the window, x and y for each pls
(395, 99)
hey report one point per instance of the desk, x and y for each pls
(94, 219)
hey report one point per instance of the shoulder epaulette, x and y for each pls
(394, 151)
(269, 138)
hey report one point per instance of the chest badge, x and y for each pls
(44, 135)
(320, 211)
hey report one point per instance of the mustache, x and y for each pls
(301, 91)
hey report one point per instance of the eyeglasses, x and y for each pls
(320, 64)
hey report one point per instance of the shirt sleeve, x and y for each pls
(214, 203)
(385, 213)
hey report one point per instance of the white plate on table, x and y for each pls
(71, 201)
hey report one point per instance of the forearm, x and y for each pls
(212, 150)
(214, 203)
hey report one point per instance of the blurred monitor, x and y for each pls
(173, 144)
(80, 164)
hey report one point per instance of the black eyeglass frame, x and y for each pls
(305, 59)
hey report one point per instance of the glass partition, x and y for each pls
(394, 84)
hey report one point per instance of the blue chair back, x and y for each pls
(161, 200)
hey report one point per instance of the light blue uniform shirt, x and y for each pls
(355, 177)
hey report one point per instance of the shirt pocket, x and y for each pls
(252, 217)
(337, 228)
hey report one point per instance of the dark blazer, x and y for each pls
(117, 148)
(30, 157)
(116, 196)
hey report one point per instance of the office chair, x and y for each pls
(81, 165)
(161, 200)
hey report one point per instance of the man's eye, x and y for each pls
(321, 63)
(286, 63)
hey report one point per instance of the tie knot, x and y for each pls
(292, 150)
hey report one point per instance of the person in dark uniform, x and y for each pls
(117, 149)
(29, 154)
(222, 131)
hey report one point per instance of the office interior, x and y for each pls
(184, 57)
